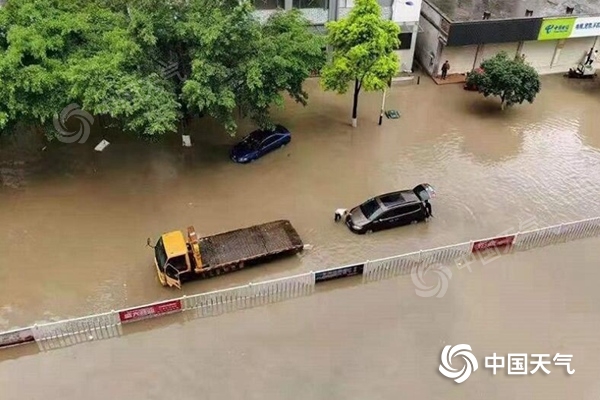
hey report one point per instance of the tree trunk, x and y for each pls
(186, 139)
(355, 104)
(503, 104)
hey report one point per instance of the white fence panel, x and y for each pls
(251, 295)
(69, 332)
(537, 238)
(385, 268)
(446, 254)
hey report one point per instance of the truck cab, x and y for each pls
(172, 257)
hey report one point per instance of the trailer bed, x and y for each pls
(249, 243)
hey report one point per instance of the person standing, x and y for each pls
(445, 68)
(428, 209)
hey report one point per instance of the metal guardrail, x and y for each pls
(107, 325)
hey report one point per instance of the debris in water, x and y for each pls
(102, 145)
(392, 114)
(44, 148)
(308, 247)
(187, 140)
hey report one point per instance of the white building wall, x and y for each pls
(489, 50)
(573, 52)
(407, 57)
(427, 45)
(461, 59)
(539, 54)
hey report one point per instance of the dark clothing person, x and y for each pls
(445, 69)
(428, 207)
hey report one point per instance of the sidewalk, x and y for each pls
(451, 78)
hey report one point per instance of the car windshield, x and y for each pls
(160, 253)
(255, 139)
(252, 142)
(370, 208)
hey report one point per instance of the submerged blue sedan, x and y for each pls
(260, 142)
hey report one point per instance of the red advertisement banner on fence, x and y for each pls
(136, 314)
(13, 338)
(502, 241)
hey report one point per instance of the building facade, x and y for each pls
(551, 44)
(405, 13)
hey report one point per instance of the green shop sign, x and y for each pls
(556, 28)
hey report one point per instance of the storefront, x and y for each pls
(564, 42)
(551, 45)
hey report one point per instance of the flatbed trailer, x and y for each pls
(179, 260)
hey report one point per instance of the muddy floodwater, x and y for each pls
(352, 341)
(74, 222)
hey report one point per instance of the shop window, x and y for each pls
(310, 3)
(269, 4)
(405, 41)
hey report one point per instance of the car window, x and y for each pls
(270, 140)
(259, 135)
(409, 209)
(370, 208)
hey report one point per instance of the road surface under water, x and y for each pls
(74, 222)
(351, 341)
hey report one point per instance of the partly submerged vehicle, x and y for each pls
(179, 259)
(260, 142)
(389, 210)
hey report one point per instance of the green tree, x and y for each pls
(239, 63)
(511, 79)
(363, 52)
(109, 56)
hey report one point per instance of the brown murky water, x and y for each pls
(74, 225)
(375, 341)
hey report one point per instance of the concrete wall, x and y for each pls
(403, 12)
(407, 56)
(427, 45)
(461, 59)
(431, 14)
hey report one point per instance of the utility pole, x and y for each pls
(383, 102)
(382, 108)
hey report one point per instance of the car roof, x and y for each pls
(399, 198)
(262, 134)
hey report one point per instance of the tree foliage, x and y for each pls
(363, 51)
(513, 80)
(150, 64)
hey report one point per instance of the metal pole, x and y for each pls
(382, 107)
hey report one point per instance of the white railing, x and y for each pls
(406, 263)
(250, 295)
(67, 332)
(108, 325)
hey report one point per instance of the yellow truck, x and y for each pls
(179, 259)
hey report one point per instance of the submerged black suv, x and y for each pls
(389, 210)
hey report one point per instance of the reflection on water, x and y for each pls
(73, 233)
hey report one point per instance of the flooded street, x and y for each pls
(351, 341)
(74, 224)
